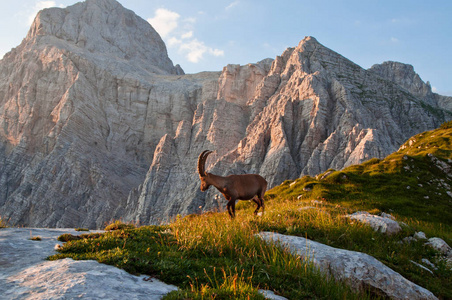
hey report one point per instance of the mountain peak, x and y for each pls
(404, 75)
(105, 28)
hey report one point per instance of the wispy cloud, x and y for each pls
(394, 40)
(187, 35)
(164, 21)
(232, 5)
(179, 34)
(38, 6)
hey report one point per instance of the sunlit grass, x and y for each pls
(209, 255)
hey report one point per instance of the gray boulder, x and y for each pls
(440, 245)
(360, 270)
(379, 223)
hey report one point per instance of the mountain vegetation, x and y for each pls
(210, 256)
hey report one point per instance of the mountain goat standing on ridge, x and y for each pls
(233, 187)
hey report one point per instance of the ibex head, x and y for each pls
(202, 170)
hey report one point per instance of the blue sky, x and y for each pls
(207, 35)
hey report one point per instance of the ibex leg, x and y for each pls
(231, 208)
(258, 202)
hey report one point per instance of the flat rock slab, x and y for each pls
(358, 269)
(25, 274)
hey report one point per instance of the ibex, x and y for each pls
(233, 187)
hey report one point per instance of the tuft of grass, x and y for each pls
(36, 238)
(118, 225)
(232, 286)
(67, 237)
(81, 229)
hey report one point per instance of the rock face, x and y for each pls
(108, 31)
(360, 270)
(405, 76)
(27, 275)
(97, 124)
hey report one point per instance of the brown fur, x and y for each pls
(234, 187)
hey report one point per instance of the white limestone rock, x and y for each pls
(422, 267)
(382, 224)
(27, 275)
(271, 295)
(359, 270)
(420, 236)
(440, 245)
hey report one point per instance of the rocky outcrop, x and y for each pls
(97, 124)
(405, 76)
(361, 271)
(382, 224)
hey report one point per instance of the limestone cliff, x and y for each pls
(311, 110)
(97, 124)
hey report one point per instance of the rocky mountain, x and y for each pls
(97, 123)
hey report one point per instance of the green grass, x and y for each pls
(81, 229)
(206, 256)
(405, 183)
(117, 225)
(210, 256)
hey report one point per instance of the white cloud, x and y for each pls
(195, 50)
(216, 52)
(39, 5)
(164, 21)
(232, 5)
(394, 40)
(434, 89)
(179, 34)
(172, 42)
(187, 35)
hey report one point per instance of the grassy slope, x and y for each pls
(210, 256)
(405, 183)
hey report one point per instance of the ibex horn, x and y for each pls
(202, 161)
